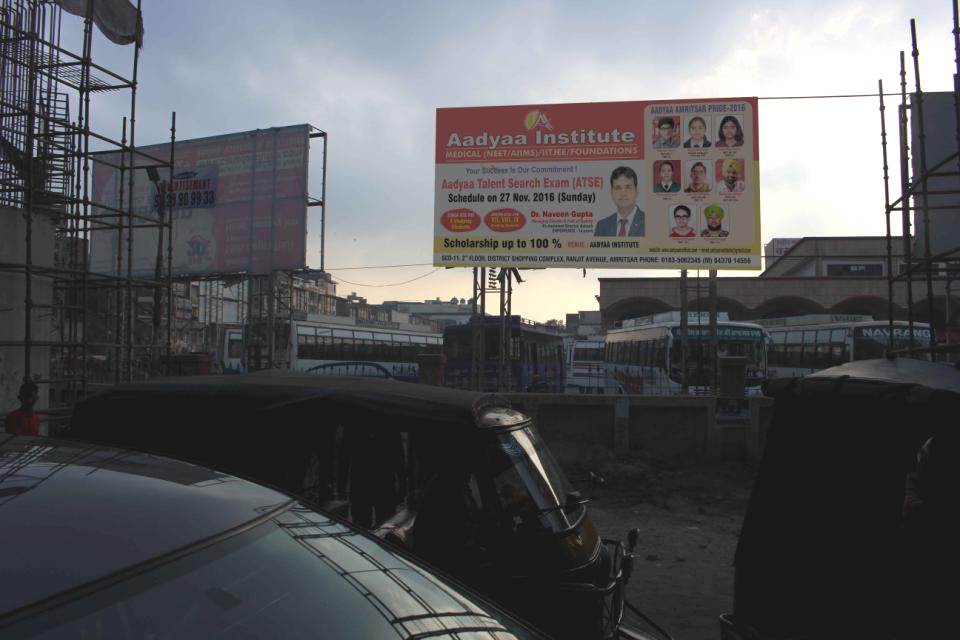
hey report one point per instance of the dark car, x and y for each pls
(852, 526)
(97, 542)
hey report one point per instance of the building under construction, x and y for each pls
(49, 299)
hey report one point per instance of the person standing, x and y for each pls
(25, 421)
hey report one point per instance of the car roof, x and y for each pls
(74, 516)
(270, 389)
(71, 513)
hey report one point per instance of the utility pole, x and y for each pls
(714, 342)
(684, 333)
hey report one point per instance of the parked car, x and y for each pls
(458, 478)
(97, 542)
(852, 525)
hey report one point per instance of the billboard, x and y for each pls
(943, 190)
(654, 184)
(238, 204)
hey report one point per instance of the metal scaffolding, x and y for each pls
(920, 264)
(79, 327)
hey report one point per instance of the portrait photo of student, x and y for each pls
(713, 215)
(666, 132)
(696, 134)
(697, 180)
(730, 133)
(729, 176)
(681, 222)
(665, 173)
(628, 219)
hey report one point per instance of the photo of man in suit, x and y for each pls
(628, 219)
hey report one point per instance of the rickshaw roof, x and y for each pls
(879, 375)
(829, 493)
(275, 389)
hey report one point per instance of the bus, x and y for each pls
(586, 373)
(803, 344)
(645, 354)
(342, 349)
(535, 357)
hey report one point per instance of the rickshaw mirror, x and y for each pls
(575, 498)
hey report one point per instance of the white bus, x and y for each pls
(342, 349)
(645, 354)
(803, 344)
(586, 372)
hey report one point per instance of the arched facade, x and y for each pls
(866, 305)
(633, 308)
(784, 306)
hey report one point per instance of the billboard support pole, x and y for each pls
(684, 333)
(476, 334)
(323, 209)
(169, 281)
(714, 343)
(271, 318)
(503, 383)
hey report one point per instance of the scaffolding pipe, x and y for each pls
(905, 193)
(886, 201)
(919, 115)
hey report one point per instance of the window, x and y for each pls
(269, 582)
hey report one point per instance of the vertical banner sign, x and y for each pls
(238, 204)
(665, 184)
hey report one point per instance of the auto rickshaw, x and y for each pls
(457, 478)
(852, 526)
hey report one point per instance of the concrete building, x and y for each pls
(456, 311)
(584, 323)
(836, 275)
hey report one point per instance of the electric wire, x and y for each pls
(391, 284)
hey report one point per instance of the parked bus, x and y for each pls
(803, 344)
(535, 358)
(345, 350)
(341, 349)
(586, 373)
(645, 355)
(233, 350)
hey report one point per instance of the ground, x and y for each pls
(689, 516)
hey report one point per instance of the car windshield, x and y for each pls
(297, 575)
(530, 484)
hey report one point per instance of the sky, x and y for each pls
(372, 74)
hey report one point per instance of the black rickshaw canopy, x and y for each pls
(275, 390)
(825, 549)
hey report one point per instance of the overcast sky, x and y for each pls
(373, 73)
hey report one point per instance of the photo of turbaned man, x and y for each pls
(628, 219)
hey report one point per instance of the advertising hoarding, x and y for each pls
(652, 184)
(238, 203)
(943, 190)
